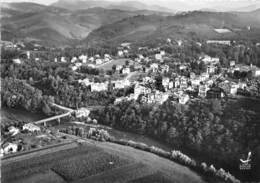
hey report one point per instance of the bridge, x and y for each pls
(44, 121)
(68, 112)
(57, 117)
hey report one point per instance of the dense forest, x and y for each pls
(57, 80)
(219, 131)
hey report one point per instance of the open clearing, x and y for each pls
(8, 116)
(96, 162)
(108, 65)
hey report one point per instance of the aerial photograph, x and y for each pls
(130, 91)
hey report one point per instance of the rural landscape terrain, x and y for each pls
(113, 91)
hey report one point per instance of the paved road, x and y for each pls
(62, 107)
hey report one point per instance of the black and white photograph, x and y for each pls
(130, 91)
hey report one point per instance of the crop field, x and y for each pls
(122, 174)
(95, 162)
(38, 164)
(85, 165)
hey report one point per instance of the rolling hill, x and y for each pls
(201, 24)
(61, 27)
(121, 5)
(55, 26)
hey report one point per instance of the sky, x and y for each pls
(174, 4)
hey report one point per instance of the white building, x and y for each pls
(165, 68)
(78, 64)
(183, 99)
(119, 84)
(13, 130)
(179, 42)
(91, 65)
(120, 53)
(119, 67)
(85, 81)
(158, 56)
(17, 61)
(165, 82)
(204, 76)
(140, 90)
(28, 54)
(82, 112)
(209, 60)
(195, 82)
(10, 148)
(224, 42)
(99, 86)
(99, 61)
(232, 63)
(63, 59)
(83, 58)
(256, 72)
(74, 68)
(182, 67)
(211, 69)
(148, 80)
(126, 70)
(107, 56)
(31, 127)
(162, 52)
(233, 89)
(73, 60)
(203, 91)
(154, 67)
(91, 59)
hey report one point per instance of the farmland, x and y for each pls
(94, 162)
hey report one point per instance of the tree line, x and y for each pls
(211, 129)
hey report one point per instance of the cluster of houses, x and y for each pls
(123, 49)
(103, 86)
(92, 62)
(209, 84)
(12, 147)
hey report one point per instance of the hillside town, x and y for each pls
(160, 82)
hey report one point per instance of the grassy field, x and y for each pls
(154, 178)
(95, 162)
(43, 177)
(122, 174)
(11, 115)
(85, 165)
(23, 168)
(108, 66)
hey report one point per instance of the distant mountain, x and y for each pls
(123, 5)
(248, 8)
(208, 10)
(58, 26)
(185, 25)
(54, 25)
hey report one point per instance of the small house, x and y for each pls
(31, 127)
(82, 112)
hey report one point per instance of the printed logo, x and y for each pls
(245, 164)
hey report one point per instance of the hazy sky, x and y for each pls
(173, 4)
